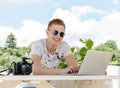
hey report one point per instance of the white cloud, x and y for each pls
(4, 32)
(99, 31)
(73, 21)
(110, 25)
(29, 32)
(116, 2)
(81, 10)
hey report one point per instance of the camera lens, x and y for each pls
(26, 69)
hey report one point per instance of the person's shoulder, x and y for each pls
(38, 42)
(64, 43)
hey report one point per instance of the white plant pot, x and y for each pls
(114, 70)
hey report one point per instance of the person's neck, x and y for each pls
(51, 48)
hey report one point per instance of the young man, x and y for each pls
(47, 53)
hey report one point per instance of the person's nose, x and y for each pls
(58, 36)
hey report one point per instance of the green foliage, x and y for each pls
(11, 41)
(102, 47)
(88, 43)
(83, 51)
(9, 55)
(116, 58)
(62, 64)
(12, 53)
(1, 52)
(79, 53)
(111, 46)
(4, 58)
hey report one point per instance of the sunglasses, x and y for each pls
(55, 32)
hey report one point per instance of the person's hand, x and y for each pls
(71, 69)
(105, 72)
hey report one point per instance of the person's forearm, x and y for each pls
(47, 71)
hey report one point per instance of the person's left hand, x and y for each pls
(73, 69)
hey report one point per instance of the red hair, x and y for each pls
(56, 21)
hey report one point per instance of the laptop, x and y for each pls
(95, 63)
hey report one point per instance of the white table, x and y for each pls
(98, 81)
(59, 77)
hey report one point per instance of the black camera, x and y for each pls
(23, 67)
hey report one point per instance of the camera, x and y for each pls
(23, 67)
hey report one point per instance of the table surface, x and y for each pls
(58, 77)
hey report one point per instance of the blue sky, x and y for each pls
(14, 11)
(27, 19)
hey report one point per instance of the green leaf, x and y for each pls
(83, 51)
(89, 43)
(73, 49)
(81, 41)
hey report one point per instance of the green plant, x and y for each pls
(88, 43)
(79, 53)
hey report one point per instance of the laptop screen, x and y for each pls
(95, 62)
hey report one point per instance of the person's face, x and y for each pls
(55, 34)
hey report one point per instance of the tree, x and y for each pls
(111, 44)
(11, 41)
(103, 47)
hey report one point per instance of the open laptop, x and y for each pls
(95, 63)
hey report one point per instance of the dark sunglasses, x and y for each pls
(55, 32)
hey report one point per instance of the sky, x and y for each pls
(98, 20)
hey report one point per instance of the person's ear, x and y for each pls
(47, 32)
